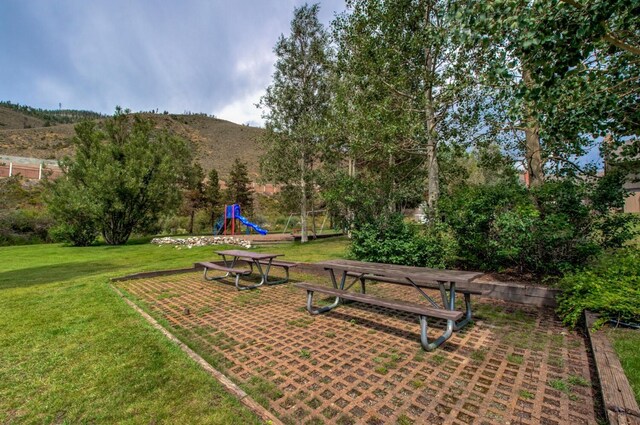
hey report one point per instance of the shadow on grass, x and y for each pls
(23, 278)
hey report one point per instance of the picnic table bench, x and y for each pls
(417, 277)
(285, 265)
(232, 258)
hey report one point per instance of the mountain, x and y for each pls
(36, 133)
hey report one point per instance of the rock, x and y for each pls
(192, 241)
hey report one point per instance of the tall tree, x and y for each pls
(566, 71)
(194, 196)
(404, 90)
(239, 187)
(124, 175)
(212, 195)
(296, 105)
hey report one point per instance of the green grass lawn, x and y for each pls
(72, 351)
(626, 342)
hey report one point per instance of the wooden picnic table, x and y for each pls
(420, 278)
(232, 257)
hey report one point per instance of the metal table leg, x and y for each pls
(450, 304)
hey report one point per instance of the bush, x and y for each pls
(392, 240)
(610, 286)
(26, 226)
(174, 225)
(22, 218)
(548, 230)
(80, 232)
(471, 211)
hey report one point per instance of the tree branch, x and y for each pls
(398, 92)
(609, 37)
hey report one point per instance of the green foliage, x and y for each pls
(566, 71)
(402, 94)
(124, 176)
(297, 102)
(61, 116)
(239, 189)
(23, 220)
(194, 194)
(392, 240)
(546, 230)
(609, 286)
(76, 212)
(212, 196)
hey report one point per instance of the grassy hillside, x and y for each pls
(216, 142)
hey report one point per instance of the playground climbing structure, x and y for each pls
(226, 225)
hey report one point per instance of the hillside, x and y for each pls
(10, 120)
(216, 142)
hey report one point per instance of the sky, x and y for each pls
(200, 56)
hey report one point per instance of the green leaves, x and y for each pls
(238, 188)
(297, 105)
(124, 175)
(394, 241)
(610, 286)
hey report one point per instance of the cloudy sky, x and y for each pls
(211, 56)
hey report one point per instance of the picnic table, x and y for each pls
(448, 282)
(263, 263)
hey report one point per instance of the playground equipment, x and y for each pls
(227, 222)
(313, 215)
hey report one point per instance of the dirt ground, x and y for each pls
(363, 364)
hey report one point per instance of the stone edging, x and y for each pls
(620, 404)
(226, 383)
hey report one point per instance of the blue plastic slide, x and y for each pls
(252, 225)
(233, 211)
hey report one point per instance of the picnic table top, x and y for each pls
(247, 254)
(417, 274)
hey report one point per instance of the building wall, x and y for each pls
(632, 203)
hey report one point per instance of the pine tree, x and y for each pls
(239, 188)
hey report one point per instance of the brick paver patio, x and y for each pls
(362, 364)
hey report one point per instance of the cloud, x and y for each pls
(212, 56)
(243, 110)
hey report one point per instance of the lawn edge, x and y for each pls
(226, 383)
(620, 404)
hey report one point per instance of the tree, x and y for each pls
(239, 187)
(194, 194)
(124, 175)
(566, 72)
(297, 103)
(404, 93)
(212, 195)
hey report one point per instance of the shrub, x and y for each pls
(609, 286)
(80, 232)
(548, 230)
(25, 226)
(392, 240)
(22, 218)
(473, 213)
